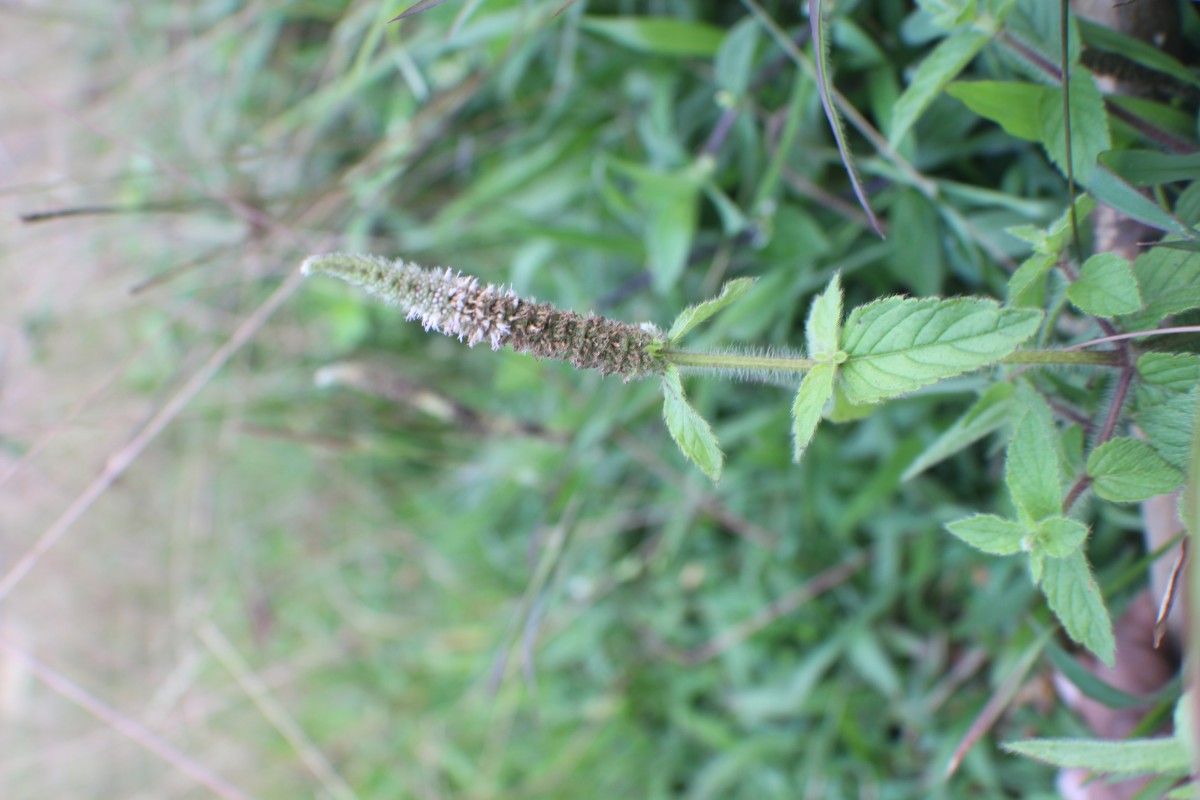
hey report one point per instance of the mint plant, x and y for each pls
(1084, 365)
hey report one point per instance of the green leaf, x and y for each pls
(1128, 757)
(823, 328)
(734, 63)
(1177, 372)
(1007, 103)
(1075, 599)
(1059, 537)
(815, 391)
(1169, 281)
(1151, 168)
(989, 533)
(1106, 287)
(673, 215)
(1111, 190)
(896, 345)
(1102, 37)
(947, 14)
(689, 430)
(692, 316)
(1168, 427)
(1032, 467)
(1127, 470)
(665, 36)
(988, 413)
(931, 76)
(1089, 126)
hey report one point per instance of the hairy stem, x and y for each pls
(751, 362)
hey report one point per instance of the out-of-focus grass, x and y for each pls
(449, 573)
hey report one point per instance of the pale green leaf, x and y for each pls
(931, 76)
(1177, 372)
(692, 316)
(1127, 757)
(1026, 287)
(666, 36)
(1168, 426)
(689, 430)
(1106, 287)
(1169, 281)
(815, 391)
(1089, 126)
(989, 533)
(988, 413)
(1007, 103)
(670, 227)
(823, 328)
(1059, 537)
(1127, 470)
(896, 345)
(1032, 470)
(947, 13)
(1074, 597)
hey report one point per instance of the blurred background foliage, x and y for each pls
(470, 574)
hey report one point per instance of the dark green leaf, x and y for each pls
(1151, 168)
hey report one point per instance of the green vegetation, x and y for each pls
(424, 570)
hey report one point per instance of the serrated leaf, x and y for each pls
(815, 391)
(1168, 427)
(1007, 103)
(1074, 597)
(1169, 281)
(1127, 470)
(896, 345)
(990, 534)
(690, 431)
(988, 413)
(666, 36)
(1026, 287)
(692, 316)
(1089, 126)
(1106, 287)
(1127, 757)
(931, 76)
(823, 328)
(1059, 537)
(1031, 469)
(1177, 372)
